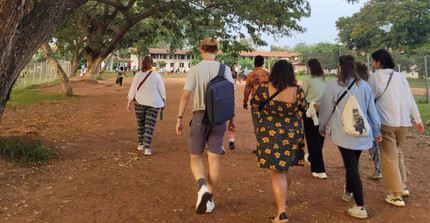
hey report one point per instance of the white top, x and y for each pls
(397, 104)
(199, 76)
(151, 93)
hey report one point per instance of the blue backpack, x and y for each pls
(219, 99)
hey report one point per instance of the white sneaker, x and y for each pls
(147, 152)
(322, 175)
(202, 198)
(210, 205)
(140, 147)
(347, 196)
(358, 212)
(396, 201)
(405, 192)
(376, 175)
(306, 157)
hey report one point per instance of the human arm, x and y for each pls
(373, 115)
(303, 103)
(185, 97)
(415, 112)
(326, 107)
(162, 90)
(305, 84)
(132, 92)
(247, 91)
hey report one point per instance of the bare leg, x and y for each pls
(279, 189)
(197, 167)
(214, 166)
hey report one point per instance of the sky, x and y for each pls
(321, 25)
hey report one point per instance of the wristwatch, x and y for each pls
(179, 116)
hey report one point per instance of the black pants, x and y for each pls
(315, 144)
(353, 180)
(120, 80)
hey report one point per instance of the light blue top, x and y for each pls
(365, 99)
(313, 87)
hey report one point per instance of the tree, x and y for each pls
(24, 26)
(162, 63)
(70, 39)
(59, 72)
(326, 53)
(395, 24)
(186, 20)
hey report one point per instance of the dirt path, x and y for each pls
(101, 177)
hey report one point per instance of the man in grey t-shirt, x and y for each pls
(202, 133)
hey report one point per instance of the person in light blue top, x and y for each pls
(350, 146)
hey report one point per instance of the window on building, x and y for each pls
(181, 65)
(170, 57)
(164, 56)
(172, 64)
(182, 57)
(154, 64)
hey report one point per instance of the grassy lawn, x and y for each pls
(424, 108)
(417, 83)
(28, 96)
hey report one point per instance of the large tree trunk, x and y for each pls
(61, 75)
(77, 55)
(22, 34)
(104, 67)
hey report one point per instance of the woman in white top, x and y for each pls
(395, 104)
(148, 93)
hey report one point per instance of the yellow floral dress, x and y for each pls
(280, 130)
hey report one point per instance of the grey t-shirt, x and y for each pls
(199, 76)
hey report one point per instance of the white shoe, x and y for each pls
(140, 147)
(202, 199)
(322, 175)
(306, 157)
(358, 212)
(210, 205)
(347, 196)
(396, 201)
(147, 152)
(376, 175)
(405, 192)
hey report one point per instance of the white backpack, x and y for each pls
(353, 120)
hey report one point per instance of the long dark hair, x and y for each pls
(362, 71)
(384, 57)
(316, 68)
(282, 75)
(347, 71)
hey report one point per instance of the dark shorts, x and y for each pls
(200, 134)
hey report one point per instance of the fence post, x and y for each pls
(427, 77)
(368, 60)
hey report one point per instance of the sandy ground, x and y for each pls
(101, 177)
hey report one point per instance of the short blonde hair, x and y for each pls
(209, 45)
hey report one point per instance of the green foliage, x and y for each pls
(288, 49)
(246, 64)
(25, 153)
(162, 63)
(326, 53)
(38, 57)
(395, 24)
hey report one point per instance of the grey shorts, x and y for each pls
(200, 134)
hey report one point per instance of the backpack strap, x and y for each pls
(389, 80)
(343, 95)
(221, 71)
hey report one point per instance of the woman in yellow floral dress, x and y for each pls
(280, 131)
